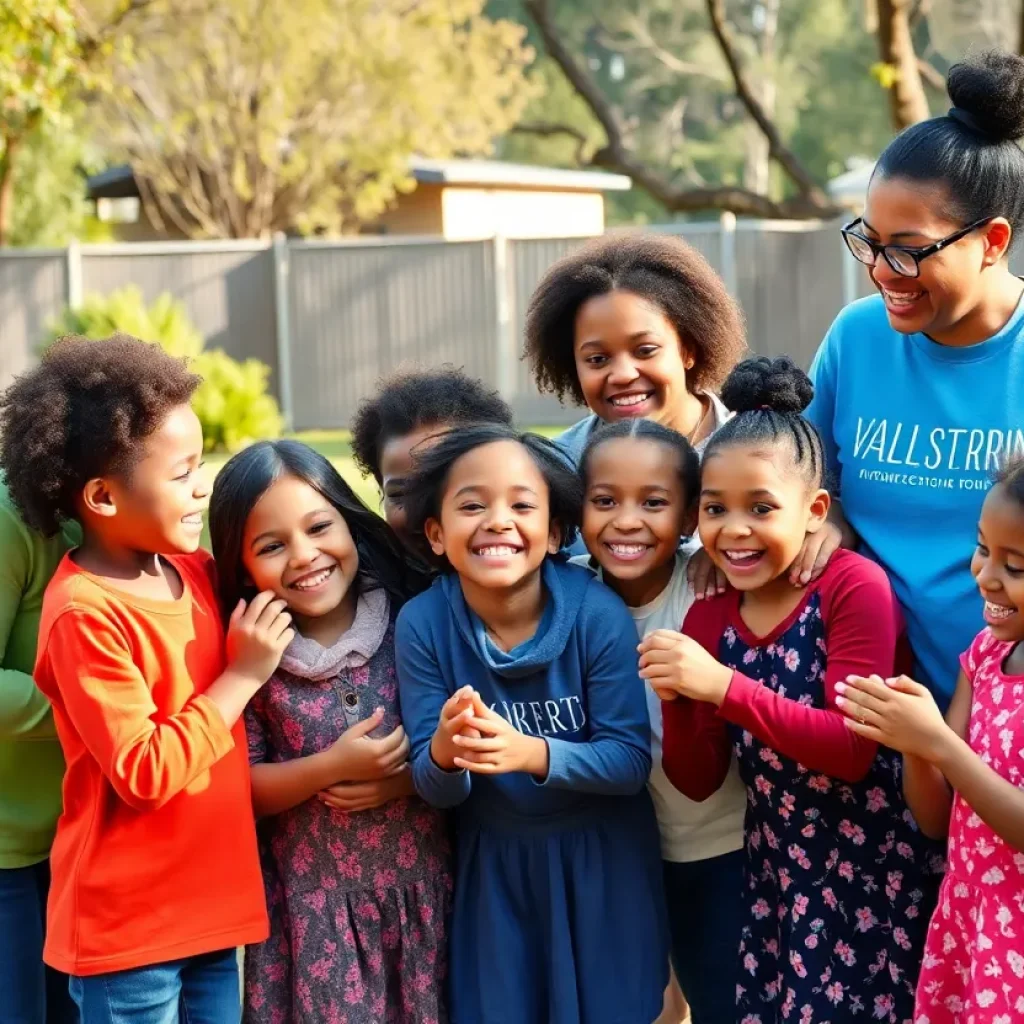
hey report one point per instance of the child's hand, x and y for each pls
(364, 796)
(355, 757)
(498, 747)
(897, 713)
(676, 665)
(814, 556)
(257, 636)
(704, 577)
(454, 717)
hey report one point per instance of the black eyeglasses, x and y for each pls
(905, 260)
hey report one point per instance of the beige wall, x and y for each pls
(416, 213)
(522, 213)
(459, 213)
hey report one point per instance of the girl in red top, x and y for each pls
(156, 878)
(837, 880)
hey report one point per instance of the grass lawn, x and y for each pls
(336, 445)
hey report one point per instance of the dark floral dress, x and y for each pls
(840, 883)
(358, 902)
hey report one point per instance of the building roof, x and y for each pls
(852, 185)
(494, 172)
(119, 182)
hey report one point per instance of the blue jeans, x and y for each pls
(705, 917)
(30, 993)
(198, 990)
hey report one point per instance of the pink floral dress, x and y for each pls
(358, 902)
(973, 969)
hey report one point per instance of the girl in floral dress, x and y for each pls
(356, 867)
(837, 877)
(964, 777)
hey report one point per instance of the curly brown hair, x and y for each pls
(83, 412)
(661, 269)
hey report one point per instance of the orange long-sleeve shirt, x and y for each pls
(155, 857)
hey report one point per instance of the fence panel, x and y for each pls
(33, 287)
(228, 289)
(359, 311)
(790, 285)
(529, 261)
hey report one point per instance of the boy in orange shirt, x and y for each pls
(156, 878)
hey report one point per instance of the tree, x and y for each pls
(254, 116)
(40, 64)
(50, 206)
(900, 70)
(619, 153)
(51, 51)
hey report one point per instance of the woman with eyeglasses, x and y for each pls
(919, 390)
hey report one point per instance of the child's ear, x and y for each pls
(555, 536)
(98, 498)
(821, 502)
(435, 536)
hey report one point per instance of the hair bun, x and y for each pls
(990, 88)
(762, 383)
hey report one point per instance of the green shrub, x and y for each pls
(232, 403)
(164, 322)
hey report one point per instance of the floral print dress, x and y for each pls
(838, 878)
(973, 970)
(358, 902)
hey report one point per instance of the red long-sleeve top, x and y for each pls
(863, 636)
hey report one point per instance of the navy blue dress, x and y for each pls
(559, 914)
(839, 881)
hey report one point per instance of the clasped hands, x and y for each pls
(471, 736)
(375, 771)
(897, 713)
(677, 666)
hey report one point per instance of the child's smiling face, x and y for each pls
(634, 513)
(630, 360)
(157, 506)
(495, 523)
(756, 510)
(298, 545)
(998, 564)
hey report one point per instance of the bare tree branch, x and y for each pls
(931, 74)
(616, 154)
(642, 39)
(777, 149)
(546, 128)
(921, 10)
(94, 36)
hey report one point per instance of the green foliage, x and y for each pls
(41, 63)
(256, 116)
(50, 205)
(232, 403)
(659, 66)
(164, 322)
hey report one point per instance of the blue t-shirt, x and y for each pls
(913, 432)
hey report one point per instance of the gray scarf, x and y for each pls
(308, 660)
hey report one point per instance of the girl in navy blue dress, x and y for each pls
(524, 708)
(839, 881)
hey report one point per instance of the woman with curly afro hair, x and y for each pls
(635, 325)
(638, 325)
